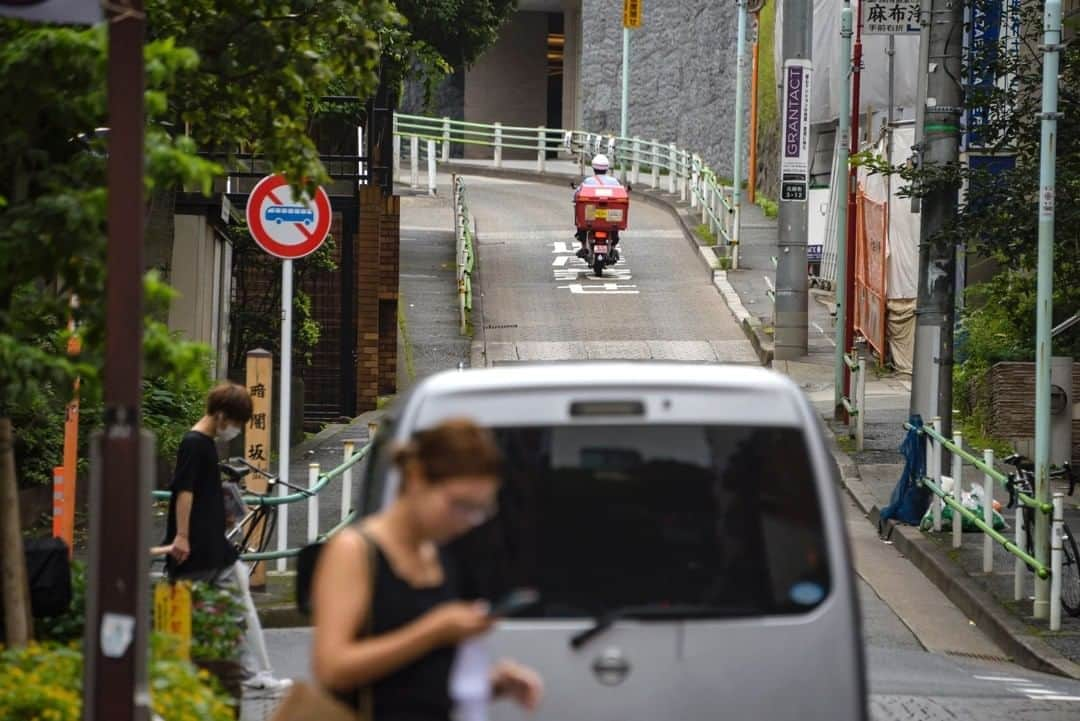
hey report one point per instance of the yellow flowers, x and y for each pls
(44, 683)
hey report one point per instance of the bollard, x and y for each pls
(432, 177)
(654, 161)
(706, 192)
(414, 161)
(1019, 567)
(397, 158)
(635, 168)
(372, 427)
(348, 450)
(541, 148)
(498, 145)
(313, 504)
(935, 474)
(860, 405)
(446, 139)
(988, 512)
(673, 162)
(958, 489)
(683, 162)
(1057, 529)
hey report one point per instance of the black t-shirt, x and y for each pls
(197, 472)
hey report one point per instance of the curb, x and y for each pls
(1004, 629)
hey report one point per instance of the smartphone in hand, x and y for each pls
(515, 602)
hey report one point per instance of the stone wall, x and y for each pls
(682, 74)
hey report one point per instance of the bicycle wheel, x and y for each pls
(1070, 574)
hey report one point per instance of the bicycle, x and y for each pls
(1023, 481)
(249, 517)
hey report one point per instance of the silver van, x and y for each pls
(682, 525)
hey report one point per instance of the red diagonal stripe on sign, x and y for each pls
(299, 226)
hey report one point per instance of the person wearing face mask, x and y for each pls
(196, 521)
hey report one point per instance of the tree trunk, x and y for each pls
(16, 593)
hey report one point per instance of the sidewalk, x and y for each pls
(871, 474)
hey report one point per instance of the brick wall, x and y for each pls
(367, 298)
(389, 264)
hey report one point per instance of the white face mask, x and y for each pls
(228, 433)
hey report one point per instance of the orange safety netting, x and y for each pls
(871, 239)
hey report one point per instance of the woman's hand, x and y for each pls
(520, 683)
(456, 621)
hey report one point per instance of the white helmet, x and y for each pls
(600, 163)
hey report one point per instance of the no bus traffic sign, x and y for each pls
(286, 225)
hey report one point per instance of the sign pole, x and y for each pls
(286, 397)
(843, 300)
(1045, 296)
(791, 281)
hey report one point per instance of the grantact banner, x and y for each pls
(81, 12)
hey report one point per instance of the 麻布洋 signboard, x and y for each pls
(891, 17)
(286, 225)
(795, 155)
(80, 12)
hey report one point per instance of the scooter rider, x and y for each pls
(600, 166)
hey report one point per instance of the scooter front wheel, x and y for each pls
(598, 266)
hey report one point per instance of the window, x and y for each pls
(602, 517)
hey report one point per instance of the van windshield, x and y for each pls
(602, 517)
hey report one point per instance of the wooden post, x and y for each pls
(16, 593)
(259, 377)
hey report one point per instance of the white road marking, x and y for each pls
(560, 260)
(1013, 679)
(826, 335)
(575, 273)
(603, 289)
(559, 246)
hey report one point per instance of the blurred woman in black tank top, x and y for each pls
(449, 484)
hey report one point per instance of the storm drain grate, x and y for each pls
(979, 656)
(501, 326)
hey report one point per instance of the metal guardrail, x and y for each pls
(465, 234)
(316, 483)
(667, 167)
(935, 482)
(856, 406)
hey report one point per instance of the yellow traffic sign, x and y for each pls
(631, 14)
(172, 613)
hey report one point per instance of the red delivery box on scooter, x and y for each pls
(601, 207)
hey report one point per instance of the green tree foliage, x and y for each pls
(998, 216)
(458, 30)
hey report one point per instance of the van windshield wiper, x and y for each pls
(657, 611)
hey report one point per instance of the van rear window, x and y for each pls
(602, 517)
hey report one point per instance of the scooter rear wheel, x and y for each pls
(598, 267)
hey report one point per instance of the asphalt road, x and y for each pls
(925, 660)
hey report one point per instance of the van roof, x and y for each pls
(593, 375)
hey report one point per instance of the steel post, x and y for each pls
(1045, 302)
(737, 158)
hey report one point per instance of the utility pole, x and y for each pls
(848, 278)
(114, 684)
(1045, 308)
(843, 300)
(931, 393)
(631, 20)
(791, 282)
